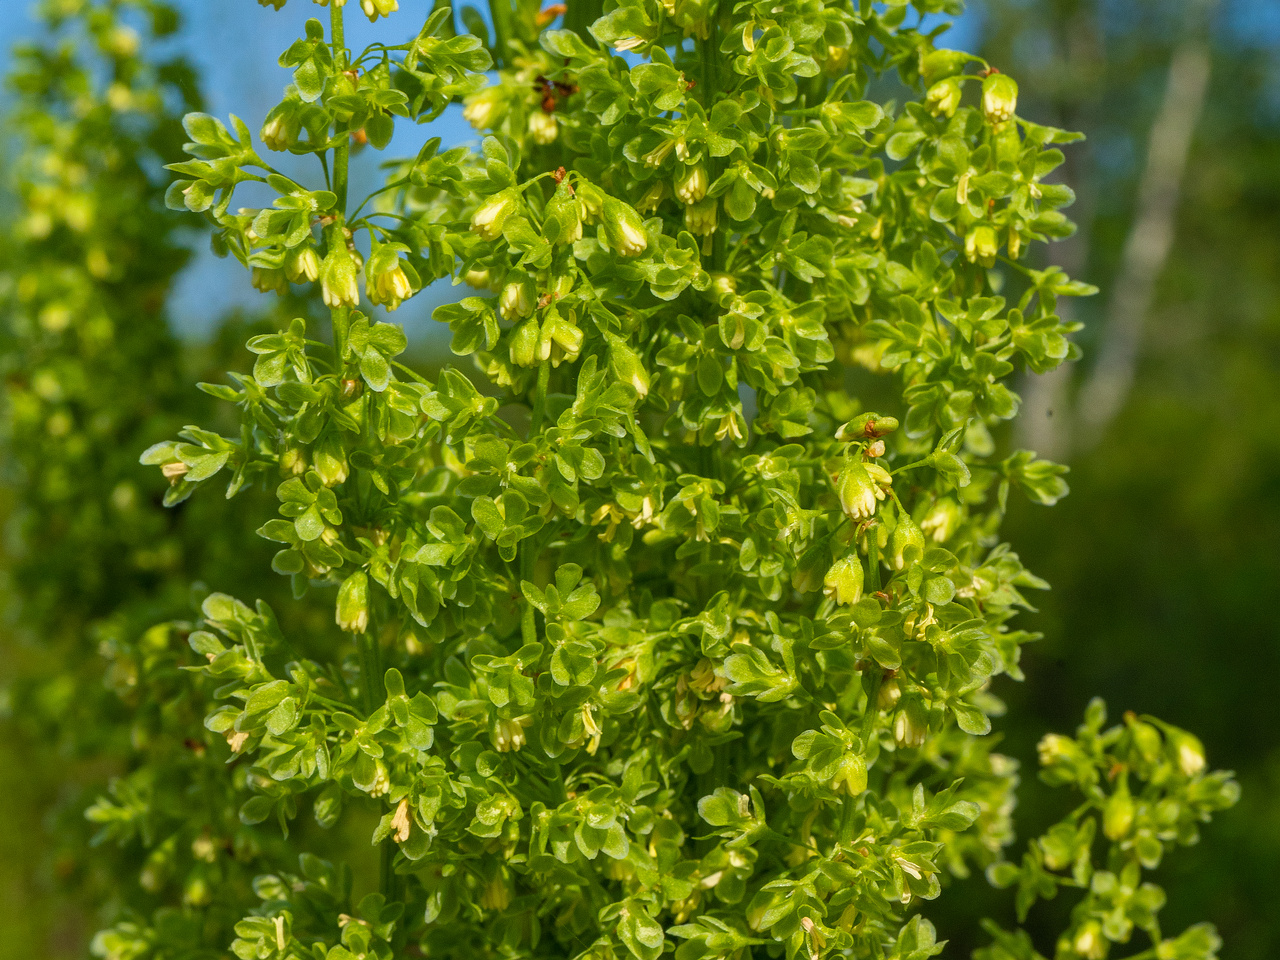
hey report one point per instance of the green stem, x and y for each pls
(927, 461)
(528, 625)
(411, 372)
(341, 153)
(341, 320)
(873, 557)
(540, 397)
(364, 648)
(386, 872)
(869, 716)
(502, 24)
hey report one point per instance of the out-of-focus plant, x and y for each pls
(656, 640)
(92, 559)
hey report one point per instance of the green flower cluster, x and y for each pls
(648, 637)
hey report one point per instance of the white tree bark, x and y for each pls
(1147, 247)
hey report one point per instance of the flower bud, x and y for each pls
(330, 461)
(700, 218)
(480, 278)
(981, 245)
(488, 219)
(196, 891)
(592, 199)
(338, 277)
(563, 338)
(1089, 942)
(868, 426)
(303, 264)
(563, 222)
(943, 98)
(381, 781)
(658, 155)
(999, 97)
(1014, 242)
(523, 346)
(400, 822)
(652, 198)
(836, 61)
(281, 129)
(908, 542)
(509, 736)
(623, 228)
(691, 184)
(517, 300)
(387, 277)
(378, 8)
(911, 724)
(889, 694)
(293, 462)
(724, 284)
(543, 127)
(1146, 738)
(353, 603)
(1188, 751)
(270, 280)
(851, 775)
(1054, 748)
(859, 486)
(626, 366)
(843, 582)
(942, 520)
(940, 64)
(1117, 815)
(484, 110)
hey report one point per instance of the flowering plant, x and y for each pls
(648, 636)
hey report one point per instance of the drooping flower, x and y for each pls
(623, 228)
(843, 582)
(859, 486)
(543, 127)
(999, 97)
(352, 612)
(691, 184)
(489, 218)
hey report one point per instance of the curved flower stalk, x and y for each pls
(647, 636)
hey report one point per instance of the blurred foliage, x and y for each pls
(1164, 557)
(90, 373)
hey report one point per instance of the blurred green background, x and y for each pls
(1165, 559)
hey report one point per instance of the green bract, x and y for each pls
(645, 636)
